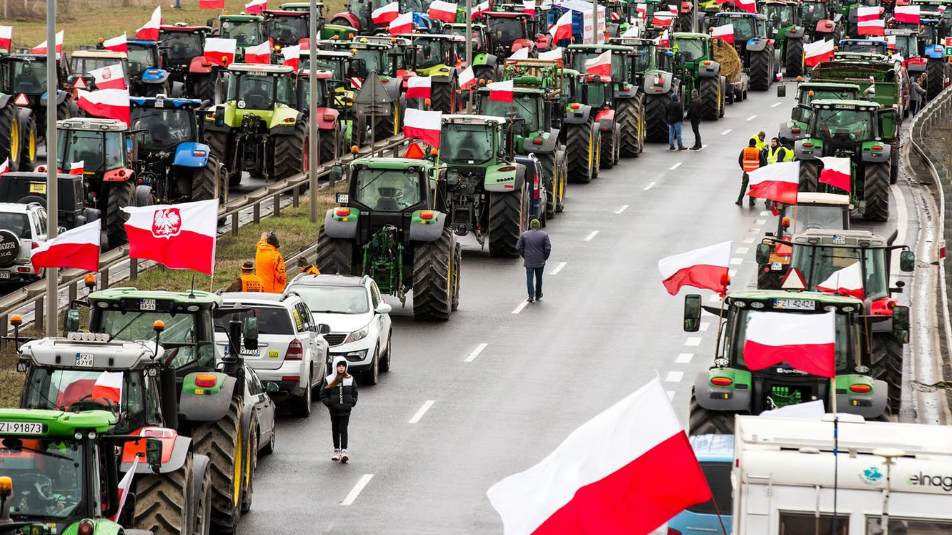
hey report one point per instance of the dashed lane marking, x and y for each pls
(670, 394)
(558, 268)
(731, 273)
(649, 186)
(748, 240)
(675, 166)
(742, 250)
(754, 231)
(693, 341)
(419, 414)
(705, 325)
(674, 377)
(775, 105)
(752, 117)
(472, 356)
(728, 131)
(521, 306)
(622, 209)
(354, 492)
(684, 358)
(737, 261)
(760, 222)
(590, 236)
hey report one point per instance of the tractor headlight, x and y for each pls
(357, 335)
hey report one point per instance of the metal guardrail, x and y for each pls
(72, 280)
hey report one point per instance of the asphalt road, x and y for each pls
(497, 388)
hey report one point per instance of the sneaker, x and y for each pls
(336, 456)
(695, 148)
(739, 203)
(343, 456)
(671, 147)
(539, 297)
(682, 147)
(531, 299)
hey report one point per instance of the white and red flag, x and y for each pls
(725, 32)
(42, 47)
(419, 87)
(150, 32)
(211, 4)
(386, 14)
(501, 91)
(662, 19)
(522, 53)
(220, 51)
(116, 44)
(872, 27)
(804, 341)
(401, 25)
(125, 486)
(529, 6)
(642, 10)
(76, 248)
(181, 236)
(5, 166)
(562, 29)
(845, 281)
(705, 268)
(600, 64)
(256, 7)
(634, 456)
(105, 103)
(258, 53)
(837, 172)
(552, 55)
(480, 8)
(777, 182)
(108, 386)
(467, 78)
(749, 6)
(817, 52)
(6, 38)
(444, 11)
(866, 14)
(908, 14)
(423, 125)
(291, 56)
(663, 40)
(77, 168)
(109, 77)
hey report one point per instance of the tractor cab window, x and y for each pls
(863, 47)
(99, 151)
(28, 77)
(306, 93)
(815, 216)
(824, 94)
(507, 29)
(47, 475)
(817, 264)
(182, 46)
(73, 389)
(361, 8)
(907, 46)
(141, 58)
(332, 65)
(524, 107)
(596, 94)
(847, 126)
(779, 15)
(252, 91)
(812, 12)
(415, 6)
(371, 60)
(734, 346)
(642, 59)
(288, 30)
(744, 27)
(466, 144)
(431, 53)
(246, 33)
(692, 49)
(388, 190)
(167, 126)
(183, 334)
(87, 65)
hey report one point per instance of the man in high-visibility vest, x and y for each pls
(306, 267)
(778, 153)
(247, 281)
(759, 138)
(750, 160)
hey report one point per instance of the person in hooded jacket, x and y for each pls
(674, 114)
(339, 395)
(269, 264)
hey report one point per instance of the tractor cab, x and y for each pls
(388, 191)
(181, 44)
(359, 14)
(618, 16)
(246, 30)
(343, 67)
(83, 62)
(621, 59)
(288, 28)
(304, 89)
(780, 15)
(798, 126)
(147, 69)
(508, 31)
(871, 49)
(749, 28)
(528, 110)
(434, 51)
(596, 91)
(381, 58)
(26, 74)
(842, 124)
(480, 38)
(259, 88)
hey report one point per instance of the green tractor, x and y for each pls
(754, 46)
(729, 387)
(389, 228)
(327, 31)
(435, 55)
(256, 129)
(60, 474)
(486, 66)
(865, 133)
(881, 81)
(246, 30)
(330, 131)
(796, 128)
(787, 31)
(699, 70)
(653, 72)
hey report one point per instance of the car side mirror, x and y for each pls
(901, 323)
(323, 328)
(337, 171)
(383, 308)
(763, 253)
(71, 321)
(153, 453)
(209, 22)
(271, 388)
(249, 333)
(907, 261)
(220, 116)
(692, 313)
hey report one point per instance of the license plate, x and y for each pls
(147, 304)
(38, 187)
(839, 240)
(250, 352)
(795, 304)
(21, 428)
(84, 360)
(342, 198)
(4, 274)
(776, 266)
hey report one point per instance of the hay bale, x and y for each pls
(731, 66)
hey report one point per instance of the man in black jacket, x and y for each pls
(674, 114)
(694, 115)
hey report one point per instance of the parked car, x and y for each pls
(541, 185)
(22, 229)
(358, 318)
(73, 206)
(265, 410)
(291, 350)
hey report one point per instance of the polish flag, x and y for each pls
(402, 25)
(562, 29)
(423, 125)
(481, 8)
(704, 268)
(116, 44)
(941, 9)
(211, 4)
(837, 172)
(845, 281)
(817, 52)
(109, 77)
(220, 51)
(600, 64)
(662, 19)
(109, 384)
(6, 37)
(663, 40)
(77, 168)
(522, 53)
(749, 6)
(500, 91)
(872, 27)
(181, 236)
(642, 10)
(125, 486)
(256, 7)
(259, 53)
(76, 248)
(419, 87)
(42, 47)
(291, 56)
(529, 6)
(444, 11)
(467, 78)
(150, 32)
(805, 341)
(552, 55)
(634, 456)
(909, 14)
(866, 14)
(725, 32)
(777, 182)
(386, 14)
(106, 103)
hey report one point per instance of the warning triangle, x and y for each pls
(793, 280)
(80, 83)
(22, 100)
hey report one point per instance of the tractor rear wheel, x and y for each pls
(894, 165)
(760, 75)
(163, 500)
(485, 72)
(121, 195)
(327, 148)
(204, 88)
(383, 127)
(935, 78)
(223, 442)
(547, 160)
(203, 506)
(457, 265)
(793, 59)
(205, 182)
(710, 91)
(706, 422)
(876, 192)
(768, 279)
(886, 365)
(28, 145)
(629, 113)
(809, 175)
(580, 151)
(656, 123)
(433, 278)
(608, 147)
(334, 256)
(505, 223)
(218, 146)
(289, 152)
(443, 96)
(10, 140)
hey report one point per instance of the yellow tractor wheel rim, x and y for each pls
(32, 145)
(237, 467)
(14, 141)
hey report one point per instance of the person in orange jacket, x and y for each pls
(269, 264)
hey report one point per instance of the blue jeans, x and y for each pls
(674, 130)
(538, 281)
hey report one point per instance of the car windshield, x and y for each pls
(47, 475)
(466, 144)
(179, 335)
(140, 59)
(805, 217)
(16, 223)
(734, 346)
(505, 30)
(246, 33)
(28, 77)
(843, 125)
(779, 16)
(89, 147)
(167, 126)
(334, 299)
(579, 58)
(388, 190)
(812, 12)
(182, 46)
(817, 264)
(523, 106)
(87, 65)
(271, 319)
(744, 27)
(73, 389)
(285, 30)
(691, 49)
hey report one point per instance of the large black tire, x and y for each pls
(63, 111)
(432, 278)
(327, 150)
(704, 422)
(580, 151)
(547, 160)
(505, 223)
(289, 152)
(154, 90)
(711, 98)
(886, 365)
(562, 185)
(334, 256)
(809, 175)
(218, 145)
(10, 135)
(935, 77)
(164, 502)
(121, 195)
(760, 72)
(383, 127)
(443, 96)
(608, 150)
(485, 72)
(204, 88)
(222, 441)
(894, 165)
(457, 269)
(629, 115)
(793, 58)
(768, 279)
(205, 182)
(656, 123)
(203, 513)
(251, 466)
(876, 192)
(28, 145)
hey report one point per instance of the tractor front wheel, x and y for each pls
(289, 152)
(760, 70)
(936, 70)
(876, 192)
(710, 91)
(580, 151)
(505, 223)
(793, 59)
(10, 140)
(443, 96)
(457, 265)
(334, 256)
(121, 195)
(656, 122)
(886, 365)
(163, 500)
(702, 421)
(629, 114)
(433, 278)
(223, 442)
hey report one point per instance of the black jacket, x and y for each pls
(340, 399)
(694, 111)
(674, 112)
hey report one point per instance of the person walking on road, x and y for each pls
(778, 153)
(306, 267)
(917, 95)
(694, 115)
(247, 281)
(269, 263)
(674, 113)
(339, 395)
(534, 248)
(750, 159)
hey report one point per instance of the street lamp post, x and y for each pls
(52, 184)
(312, 145)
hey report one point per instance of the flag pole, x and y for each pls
(719, 517)
(836, 447)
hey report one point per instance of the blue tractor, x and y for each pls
(147, 73)
(175, 163)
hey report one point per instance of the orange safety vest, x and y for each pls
(751, 159)
(311, 270)
(251, 283)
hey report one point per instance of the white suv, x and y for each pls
(291, 350)
(22, 228)
(359, 320)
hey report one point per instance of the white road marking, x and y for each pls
(558, 268)
(775, 105)
(684, 358)
(472, 356)
(737, 261)
(419, 414)
(354, 492)
(731, 272)
(675, 166)
(674, 377)
(765, 213)
(693, 341)
(670, 394)
(705, 325)
(728, 131)
(521, 306)
(590, 236)
(742, 250)
(715, 298)
(760, 222)
(649, 186)
(754, 231)
(748, 240)
(622, 209)
(752, 117)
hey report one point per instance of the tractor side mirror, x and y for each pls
(153, 453)
(220, 116)
(907, 261)
(249, 332)
(145, 142)
(692, 313)
(209, 22)
(71, 321)
(323, 328)
(337, 172)
(901, 323)
(763, 253)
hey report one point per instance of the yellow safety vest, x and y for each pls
(773, 153)
(760, 144)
